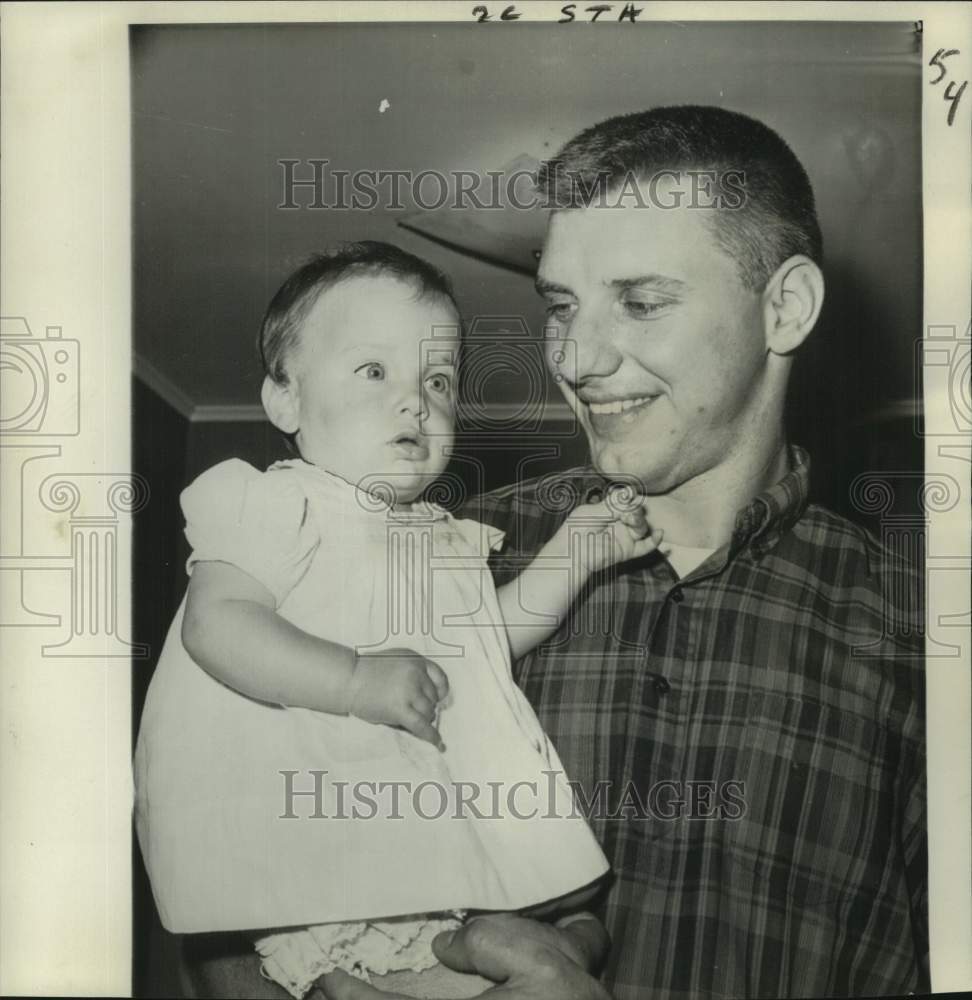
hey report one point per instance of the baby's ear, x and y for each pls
(281, 405)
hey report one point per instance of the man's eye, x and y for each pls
(439, 383)
(373, 371)
(642, 308)
(560, 312)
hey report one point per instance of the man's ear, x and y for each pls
(791, 303)
(281, 405)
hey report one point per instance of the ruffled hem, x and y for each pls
(296, 959)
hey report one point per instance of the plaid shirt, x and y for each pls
(757, 730)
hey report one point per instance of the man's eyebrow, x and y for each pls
(659, 281)
(545, 287)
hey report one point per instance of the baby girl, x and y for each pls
(339, 636)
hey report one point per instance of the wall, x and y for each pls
(159, 441)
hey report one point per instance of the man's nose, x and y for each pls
(593, 342)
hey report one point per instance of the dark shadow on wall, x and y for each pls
(852, 394)
(159, 442)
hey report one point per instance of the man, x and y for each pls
(743, 726)
(758, 662)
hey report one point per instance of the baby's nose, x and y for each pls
(414, 402)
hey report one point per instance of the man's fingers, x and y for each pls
(480, 946)
(504, 947)
(438, 677)
(339, 985)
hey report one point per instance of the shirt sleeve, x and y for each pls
(256, 521)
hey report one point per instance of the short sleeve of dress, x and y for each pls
(257, 521)
(483, 538)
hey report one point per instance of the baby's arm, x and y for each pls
(232, 630)
(592, 538)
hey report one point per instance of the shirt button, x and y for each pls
(660, 684)
(676, 595)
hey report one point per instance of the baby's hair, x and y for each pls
(280, 331)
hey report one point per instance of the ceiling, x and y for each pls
(215, 108)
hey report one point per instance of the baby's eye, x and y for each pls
(439, 382)
(373, 371)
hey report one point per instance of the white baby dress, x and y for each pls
(212, 766)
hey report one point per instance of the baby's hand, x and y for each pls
(398, 687)
(613, 531)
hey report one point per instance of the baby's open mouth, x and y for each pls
(410, 446)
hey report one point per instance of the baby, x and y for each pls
(340, 642)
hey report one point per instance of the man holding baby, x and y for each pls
(743, 726)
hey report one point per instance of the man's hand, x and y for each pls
(528, 960)
(398, 687)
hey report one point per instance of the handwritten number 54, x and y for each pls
(951, 94)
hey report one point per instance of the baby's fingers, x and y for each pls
(642, 546)
(636, 522)
(428, 690)
(416, 724)
(426, 707)
(438, 677)
(593, 515)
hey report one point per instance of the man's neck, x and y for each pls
(701, 513)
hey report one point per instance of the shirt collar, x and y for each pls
(760, 524)
(763, 521)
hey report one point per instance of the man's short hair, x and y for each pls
(280, 331)
(776, 217)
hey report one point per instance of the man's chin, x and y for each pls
(642, 471)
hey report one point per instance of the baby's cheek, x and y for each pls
(441, 422)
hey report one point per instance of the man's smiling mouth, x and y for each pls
(610, 417)
(620, 405)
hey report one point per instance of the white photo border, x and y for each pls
(65, 723)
